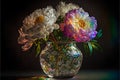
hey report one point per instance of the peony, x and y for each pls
(37, 25)
(67, 23)
(63, 8)
(79, 26)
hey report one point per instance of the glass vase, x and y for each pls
(61, 60)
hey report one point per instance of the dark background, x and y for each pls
(14, 11)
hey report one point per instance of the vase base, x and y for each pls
(62, 77)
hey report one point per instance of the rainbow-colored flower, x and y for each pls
(79, 26)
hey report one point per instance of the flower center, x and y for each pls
(39, 19)
(81, 23)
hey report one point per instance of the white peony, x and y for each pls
(37, 25)
(63, 8)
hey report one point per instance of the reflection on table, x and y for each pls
(82, 75)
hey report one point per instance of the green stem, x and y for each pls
(59, 49)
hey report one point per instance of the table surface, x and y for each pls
(82, 75)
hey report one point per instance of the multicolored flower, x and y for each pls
(78, 25)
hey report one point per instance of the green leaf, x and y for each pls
(59, 20)
(46, 38)
(86, 48)
(90, 48)
(96, 46)
(93, 40)
(38, 49)
(54, 46)
(99, 34)
(41, 78)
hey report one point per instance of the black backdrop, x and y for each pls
(14, 11)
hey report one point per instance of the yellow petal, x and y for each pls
(39, 19)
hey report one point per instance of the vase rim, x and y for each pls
(63, 42)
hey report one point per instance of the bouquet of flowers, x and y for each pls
(66, 23)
